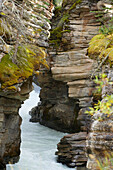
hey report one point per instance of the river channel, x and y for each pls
(38, 142)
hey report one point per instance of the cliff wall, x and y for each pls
(67, 87)
(100, 138)
(10, 122)
(22, 35)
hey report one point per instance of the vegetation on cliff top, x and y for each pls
(105, 106)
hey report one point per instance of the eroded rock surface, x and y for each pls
(71, 70)
(100, 143)
(67, 87)
(71, 150)
(56, 110)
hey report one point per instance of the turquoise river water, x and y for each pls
(38, 142)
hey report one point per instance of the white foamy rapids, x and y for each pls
(38, 142)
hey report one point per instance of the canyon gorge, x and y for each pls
(58, 52)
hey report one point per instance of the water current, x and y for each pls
(38, 142)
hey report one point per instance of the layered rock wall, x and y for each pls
(71, 150)
(67, 87)
(56, 110)
(22, 35)
(100, 140)
(69, 81)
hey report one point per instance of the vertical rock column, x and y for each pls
(71, 63)
(10, 122)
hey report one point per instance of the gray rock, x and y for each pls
(71, 150)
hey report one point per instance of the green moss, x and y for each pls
(11, 88)
(75, 4)
(106, 52)
(46, 3)
(101, 46)
(57, 32)
(29, 59)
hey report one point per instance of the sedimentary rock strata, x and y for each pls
(67, 87)
(71, 69)
(100, 140)
(71, 150)
(100, 143)
(22, 35)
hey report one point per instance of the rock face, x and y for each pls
(34, 114)
(100, 143)
(100, 140)
(71, 150)
(67, 82)
(21, 52)
(16, 75)
(10, 122)
(56, 109)
(67, 87)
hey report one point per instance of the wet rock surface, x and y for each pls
(10, 123)
(34, 114)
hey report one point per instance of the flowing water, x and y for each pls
(38, 142)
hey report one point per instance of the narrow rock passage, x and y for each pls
(38, 142)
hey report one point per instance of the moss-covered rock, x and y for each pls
(101, 46)
(57, 32)
(22, 36)
(28, 61)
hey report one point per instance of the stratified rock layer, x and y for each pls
(100, 140)
(100, 143)
(67, 87)
(71, 150)
(17, 69)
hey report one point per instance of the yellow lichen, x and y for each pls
(12, 88)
